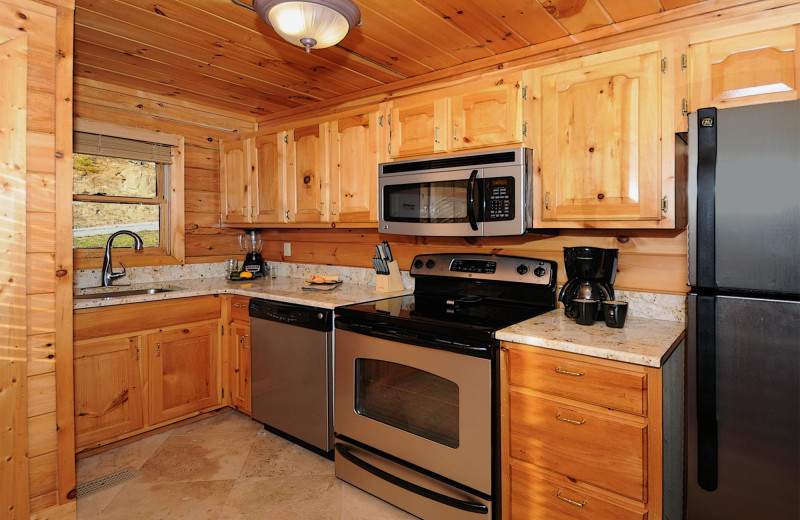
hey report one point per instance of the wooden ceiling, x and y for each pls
(218, 53)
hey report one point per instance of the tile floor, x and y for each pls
(226, 467)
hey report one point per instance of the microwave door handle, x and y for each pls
(473, 220)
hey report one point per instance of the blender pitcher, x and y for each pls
(253, 262)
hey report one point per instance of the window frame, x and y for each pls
(172, 250)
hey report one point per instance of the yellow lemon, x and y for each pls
(245, 274)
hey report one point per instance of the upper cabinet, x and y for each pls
(759, 67)
(353, 188)
(235, 175)
(307, 174)
(604, 129)
(479, 114)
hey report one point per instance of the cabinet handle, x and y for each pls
(547, 200)
(158, 350)
(571, 421)
(333, 208)
(320, 208)
(568, 373)
(455, 134)
(569, 501)
(435, 134)
(243, 213)
(286, 215)
(137, 353)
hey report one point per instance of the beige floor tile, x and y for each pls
(92, 506)
(358, 505)
(285, 498)
(273, 456)
(132, 455)
(169, 500)
(228, 423)
(199, 457)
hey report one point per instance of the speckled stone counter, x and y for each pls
(287, 290)
(642, 341)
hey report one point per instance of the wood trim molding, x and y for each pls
(13, 301)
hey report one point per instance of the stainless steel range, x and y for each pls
(416, 393)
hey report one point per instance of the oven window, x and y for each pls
(428, 202)
(409, 399)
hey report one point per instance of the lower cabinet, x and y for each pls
(239, 355)
(140, 366)
(587, 438)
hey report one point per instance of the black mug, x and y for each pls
(587, 311)
(614, 313)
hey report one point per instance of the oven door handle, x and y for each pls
(463, 505)
(473, 219)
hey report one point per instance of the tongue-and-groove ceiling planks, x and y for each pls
(217, 53)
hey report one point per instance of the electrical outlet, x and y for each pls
(287, 249)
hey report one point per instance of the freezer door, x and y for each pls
(744, 191)
(744, 409)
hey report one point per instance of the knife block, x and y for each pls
(389, 282)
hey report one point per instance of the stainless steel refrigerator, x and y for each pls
(743, 381)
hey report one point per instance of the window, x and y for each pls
(126, 179)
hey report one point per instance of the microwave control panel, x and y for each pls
(499, 196)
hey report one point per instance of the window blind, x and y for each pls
(97, 144)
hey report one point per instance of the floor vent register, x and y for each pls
(106, 482)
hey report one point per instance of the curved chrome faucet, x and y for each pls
(108, 273)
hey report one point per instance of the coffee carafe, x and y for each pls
(590, 276)
(253, 261)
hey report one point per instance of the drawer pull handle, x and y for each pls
(568, 373)
(569, 501)
(239, 305)
(571, 421)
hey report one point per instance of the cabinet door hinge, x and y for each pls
(389, 147)
(389, 120)
(222, 330)
(286, 139)
(685, 107)
(525, 93)
(547, 200)
(525, 129)
(684, 61)
(137, 352)
(380, 120)
(664, 65)
(664, 204)
(223, 393)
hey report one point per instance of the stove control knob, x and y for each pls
(429, 264)
(320, 315)
(522, 269)
(540, 271)
(417, 264)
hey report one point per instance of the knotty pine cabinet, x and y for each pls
(745, 69)
(143, 365)
(483, 113)
(354, 158)
(588, 438)
(604, 126)
(239, 374)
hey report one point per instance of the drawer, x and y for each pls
(539, 496)
(586, 446)
(239, 308)
(601, 385)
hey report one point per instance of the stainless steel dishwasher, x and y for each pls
(292, 371)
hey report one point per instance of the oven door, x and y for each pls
(426, 406)
(447, 203)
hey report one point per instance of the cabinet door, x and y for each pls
(601, 132)
(354, 169)
(108, 389)
(235, 165)
(418, 125)
(269, 178)
(183, 370)
(240, 366)
(308, 174)
(488, 116)
(745, 70)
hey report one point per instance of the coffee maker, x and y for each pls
(253, 261)
(590, 275)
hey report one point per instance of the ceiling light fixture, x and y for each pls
(310, 23)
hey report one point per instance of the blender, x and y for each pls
(253, 261)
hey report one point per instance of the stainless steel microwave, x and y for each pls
(475, 194)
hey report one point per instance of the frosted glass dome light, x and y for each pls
(309, 23)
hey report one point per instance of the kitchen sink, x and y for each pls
(108, 293)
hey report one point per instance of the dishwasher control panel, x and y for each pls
(298, 315)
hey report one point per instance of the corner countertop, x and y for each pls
(288, 290)
(642, 341)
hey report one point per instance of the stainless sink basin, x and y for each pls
(108, 293)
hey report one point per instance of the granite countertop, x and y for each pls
(288, 290)
(642, 341)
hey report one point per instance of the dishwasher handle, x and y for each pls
(297, 315)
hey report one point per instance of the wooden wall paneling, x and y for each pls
(63, 273)
(40, 72)
(199, 179)
(41, 232)
(43, 436)
(40, 152)
(41, 112)
(14, 463)
(41, 394)
(41, 313)
(21, 16)
(41, 192)
(41, 267)
(41, 354)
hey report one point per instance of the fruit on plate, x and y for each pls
(245, 274)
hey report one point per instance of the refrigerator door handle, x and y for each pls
(704, 261)
(707, 446)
